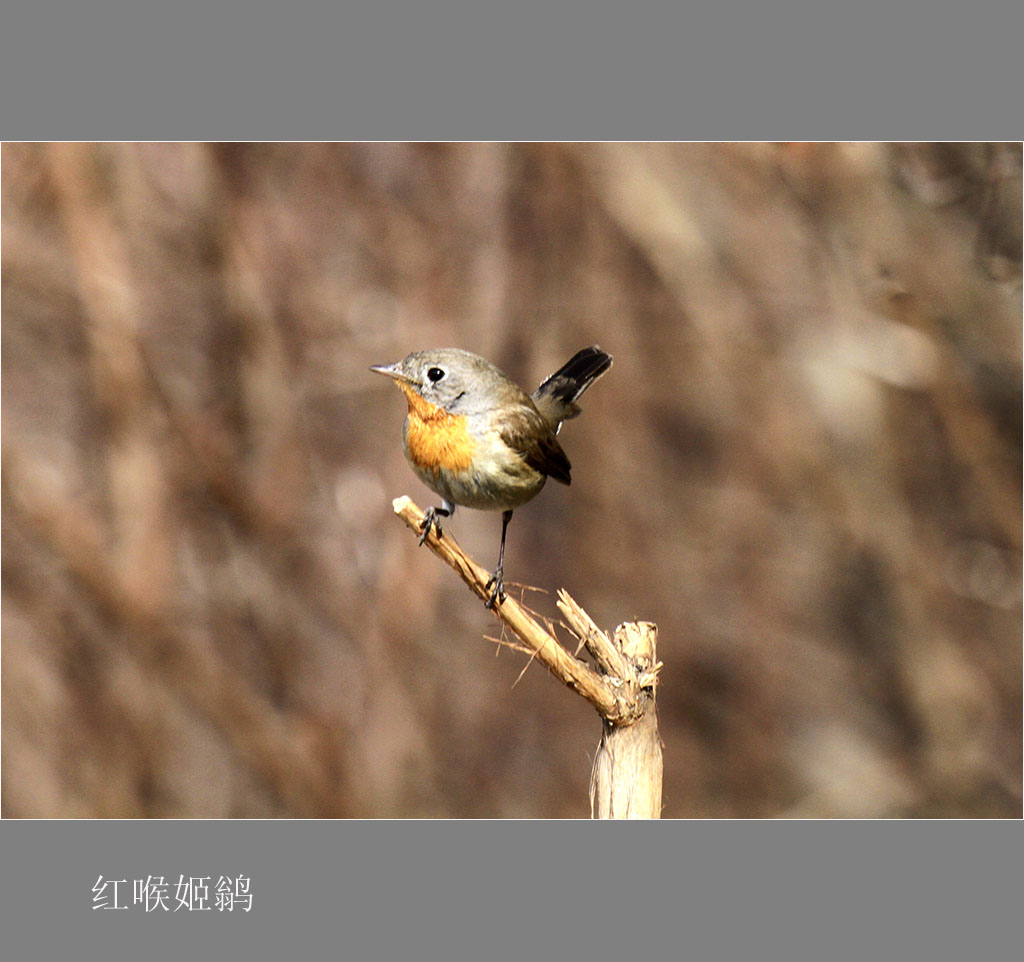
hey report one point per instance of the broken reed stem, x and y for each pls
(625, 781)
(627, 776)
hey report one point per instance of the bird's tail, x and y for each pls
(557, 395)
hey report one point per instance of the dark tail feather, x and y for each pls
(557, 395)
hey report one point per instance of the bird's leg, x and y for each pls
(446, 510)
(498, 592)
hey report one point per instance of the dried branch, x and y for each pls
(627, 774)
(567, 669)
(593, 638)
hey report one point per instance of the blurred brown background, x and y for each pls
(805, 466)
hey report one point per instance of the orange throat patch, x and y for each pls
(434, 439)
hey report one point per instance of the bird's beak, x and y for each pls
(393, 371)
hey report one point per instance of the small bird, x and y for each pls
(474, 437)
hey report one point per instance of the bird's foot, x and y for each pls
(430, 521)
(497, 585)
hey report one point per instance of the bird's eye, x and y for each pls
(435, 374)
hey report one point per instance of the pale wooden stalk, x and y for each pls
(626, 778)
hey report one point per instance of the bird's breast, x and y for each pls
(436, 440)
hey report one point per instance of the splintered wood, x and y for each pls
(626, 778)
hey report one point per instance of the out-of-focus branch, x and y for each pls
(109, 294)
(271, 743)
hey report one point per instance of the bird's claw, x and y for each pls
(497, 596)
(430, 521)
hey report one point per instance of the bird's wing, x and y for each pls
(524, 429)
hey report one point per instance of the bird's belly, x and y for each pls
(488, 476)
